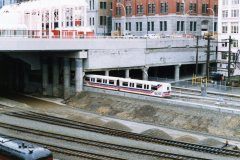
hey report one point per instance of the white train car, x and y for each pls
(150, 88)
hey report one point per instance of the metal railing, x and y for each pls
(74, 35)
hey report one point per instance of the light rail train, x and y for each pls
(12, 149)
(150, 88)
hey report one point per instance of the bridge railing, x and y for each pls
(45, 34)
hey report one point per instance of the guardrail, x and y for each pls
(49, 35)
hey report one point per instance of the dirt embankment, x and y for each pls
(155, 113)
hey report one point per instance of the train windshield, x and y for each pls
(154, 88)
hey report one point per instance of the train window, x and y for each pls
(146, 86)
(131, 84)
(111, 81)
(154, 88)
(104, 81)
(87, 79)
(92, 79)
(125, 84)
(139, 85)
(99, 80)
(168, 88)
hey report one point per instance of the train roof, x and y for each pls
(128, 79)
(22, 147)
(100, 76)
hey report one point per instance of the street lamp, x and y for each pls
(213, 18)
(124, 22)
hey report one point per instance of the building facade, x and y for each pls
(166, 17)
(100, 16)
(55, 18)
(229, 23)
(7, 2)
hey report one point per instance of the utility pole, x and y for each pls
(208, 56)
(229, 56)
(196, 71)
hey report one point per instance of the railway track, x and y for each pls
(97, 144)
(124, 134)
(179, 91)
(69, 152)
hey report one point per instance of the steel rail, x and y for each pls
(114, 132)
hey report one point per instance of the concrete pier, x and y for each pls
(66, 78)
(55, 77)
(127, 71)
(145, 73)
(204, 68)
(79, 75)
(107, 72)
(177, 72)
(44, 75)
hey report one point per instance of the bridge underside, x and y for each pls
(62, 76)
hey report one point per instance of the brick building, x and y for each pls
(164, 16)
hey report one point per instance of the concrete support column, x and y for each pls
(107, 72)
(55, 77)
(79, 75)
(17, 77)
(66, 77)
(203, 71)
(44, 76)
(25, 78)
(177, 72)
(145, 73)
(10, 78)
(127, 73)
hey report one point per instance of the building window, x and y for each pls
(193, 7)
(103, 20)
(235, 43)
(235, 13)
(224, 27)
(193, 26)
(215, 26)
(138, 26)
(224, 55)
(128, 26)
(118, 11)
(215, 9)
(139, 9)
(150, 26)
(103, 5)
(224, 43)
(204, 8)
(163, 26)
(164, 8)
(234, 2)
(128, 10)
(225, 2)
(234, 27)
(224, 13)
(180, 7)
(151, 8)
(180, 25)
(90, 4)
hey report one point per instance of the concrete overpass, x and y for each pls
(99, 54)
